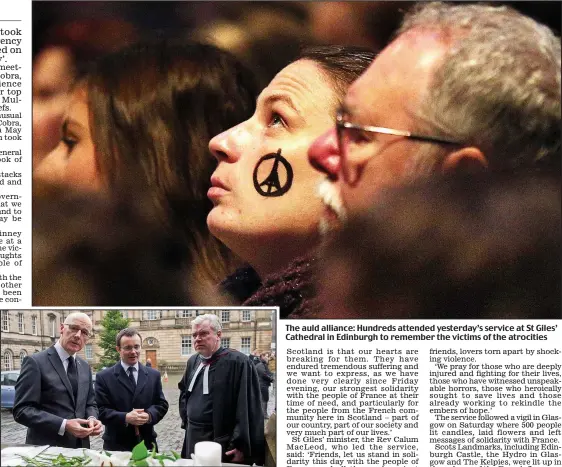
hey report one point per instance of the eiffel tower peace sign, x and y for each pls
(271, 185)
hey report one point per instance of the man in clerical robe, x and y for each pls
(220, 397)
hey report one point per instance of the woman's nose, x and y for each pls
(51, 168)
(226, 145)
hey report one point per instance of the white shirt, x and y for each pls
(135, 373)
(63, 354)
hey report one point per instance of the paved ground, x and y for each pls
(170, 434)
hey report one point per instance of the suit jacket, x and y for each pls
(44, 398)
(265, 378)
(116, 396)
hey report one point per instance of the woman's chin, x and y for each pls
(216, 222)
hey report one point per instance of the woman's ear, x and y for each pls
(465, 160)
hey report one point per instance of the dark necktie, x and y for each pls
(73, 376)
(131, 376)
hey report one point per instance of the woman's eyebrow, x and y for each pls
(281, 97)
(69, 124)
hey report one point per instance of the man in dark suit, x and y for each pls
(54, 393)
(129, 397)
(265, 378)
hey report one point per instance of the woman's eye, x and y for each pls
(276, 120)
(69, 142)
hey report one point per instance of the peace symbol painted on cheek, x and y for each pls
(271, 185)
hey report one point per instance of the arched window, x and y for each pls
(52, 325)
(23, 354)
(8, 360)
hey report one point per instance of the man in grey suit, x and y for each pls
(54, 393)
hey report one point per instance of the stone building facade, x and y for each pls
(25, 332)
(166, 334)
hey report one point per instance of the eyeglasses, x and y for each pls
(352, 137)
(128, 348)
(74, 329)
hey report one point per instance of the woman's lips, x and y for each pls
(218, 188)
(216, 192)
(217, 182)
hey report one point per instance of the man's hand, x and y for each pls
(237, 456)
(136, 417)
(96, 427)
(75, 428)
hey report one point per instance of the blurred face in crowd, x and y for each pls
(129, 349)
(263, 188)
(386, 95)
(75, 332)
(73, 161)
(205, 340)
(52, 75)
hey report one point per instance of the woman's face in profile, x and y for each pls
(73, 161)
(264, 189)
(52, 73)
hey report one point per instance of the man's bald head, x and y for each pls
(75, 331)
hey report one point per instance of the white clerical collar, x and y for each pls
(126, 366)
(205, 378)
(63, 354)
(205, 367)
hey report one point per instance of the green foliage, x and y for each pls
(112, 323)
(139, 452)
(45, 460)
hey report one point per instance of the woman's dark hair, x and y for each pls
(343, 64)
(153, 109)
(91, 250)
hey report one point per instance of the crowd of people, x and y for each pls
(416, 175)
(220, 395)
(253, 163)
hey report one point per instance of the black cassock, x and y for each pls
(237, 417)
